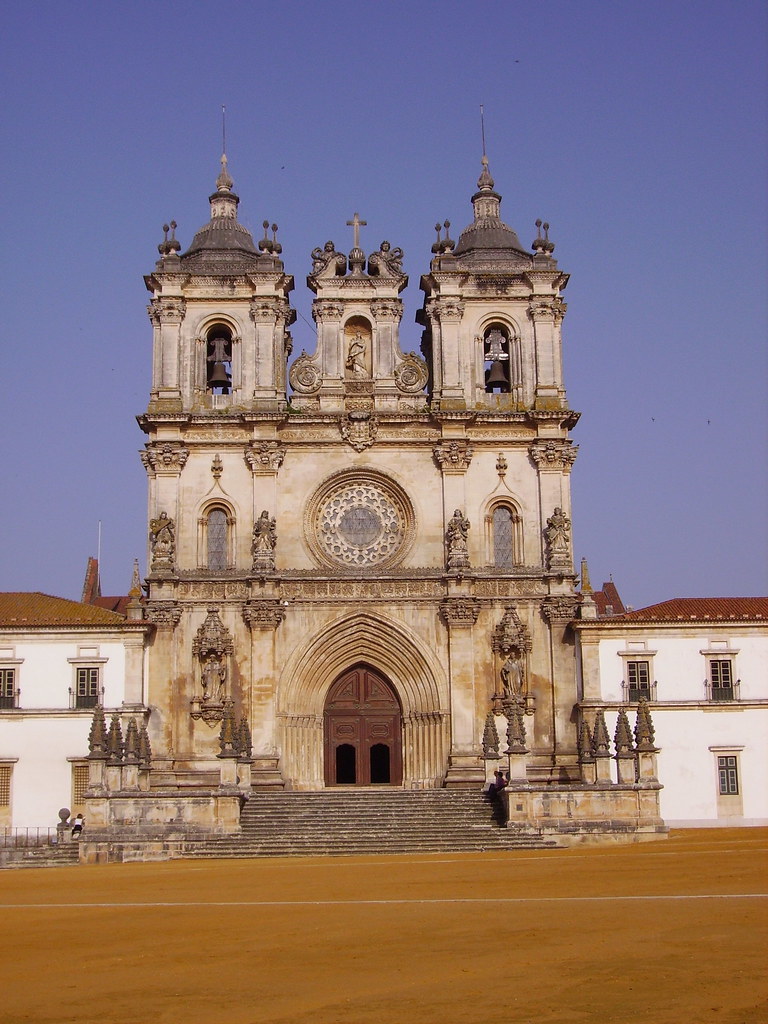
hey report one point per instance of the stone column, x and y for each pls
(465, 761)
(263, 615)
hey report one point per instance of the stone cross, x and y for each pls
(356, 224)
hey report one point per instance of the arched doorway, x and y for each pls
(362, 731)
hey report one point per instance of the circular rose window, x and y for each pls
(359, 520)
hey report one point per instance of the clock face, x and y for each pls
(359, 521)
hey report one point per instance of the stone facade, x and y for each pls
(366, 557)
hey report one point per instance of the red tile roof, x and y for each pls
(18, 610)
(608, 601)
(702, 609)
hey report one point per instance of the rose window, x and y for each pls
(360, 522)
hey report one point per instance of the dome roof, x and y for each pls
(487, 230)
(223, 232)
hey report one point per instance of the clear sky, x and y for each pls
(637, 129)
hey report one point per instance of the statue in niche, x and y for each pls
(512, 674)
(213, 678)
(327, 261)
(557, 535)
(387, 262)
(356, 355)
(456, 540)
(264, 542)
(162, 540)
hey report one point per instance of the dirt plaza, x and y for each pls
(665, 932)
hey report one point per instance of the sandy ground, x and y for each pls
(662, 932)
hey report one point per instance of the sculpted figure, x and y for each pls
(264, 542)
(387, 262)
(456, 540)
(327, 260)
(162, 539)
(512, 673)
(214, 675)
(557, 535)
(356, 356)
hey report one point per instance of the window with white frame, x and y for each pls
(720, 683)
(637, 678)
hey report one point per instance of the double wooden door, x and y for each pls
(362, 730)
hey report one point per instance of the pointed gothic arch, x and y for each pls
(388, 648)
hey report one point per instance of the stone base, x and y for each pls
(465, 771)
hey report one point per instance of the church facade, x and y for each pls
(359, 567)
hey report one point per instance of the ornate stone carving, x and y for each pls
(326, 310)
(645, 734)
(387, 262)
(265, 456)
(387, 309)
(362, 590)
(558, 537)
(457, 553)
(162, 541)
(411, 374)
(501, 465)
(268, 310)
(459, 611)
(206, 590)
(360, 522)
(516, 730)
(167, 310)
(164, 455)
(217, 467)
(263, 543)
(554, 454)
(446, 309)
(559, 609)
(326, 262)
(97, 737)
(490, 739)
(359, 428)
(305, 376)
(263, 614)
(164, 614)
(510, 633)
(453, 456)
(212, 646)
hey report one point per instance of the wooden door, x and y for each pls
(362, 729)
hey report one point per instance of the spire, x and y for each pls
(224, 181)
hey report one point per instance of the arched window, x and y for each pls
(216, 539)
(218, 360)
(501, 360)
(503, 538)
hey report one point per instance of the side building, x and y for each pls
(60, 660)
(701, 664)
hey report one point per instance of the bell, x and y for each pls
(219, 378)
(496, 377)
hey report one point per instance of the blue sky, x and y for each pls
(637, 129)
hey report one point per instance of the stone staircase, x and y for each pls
(43, 856)
(364, 821)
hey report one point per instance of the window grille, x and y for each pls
(5, 785)
(79, 784)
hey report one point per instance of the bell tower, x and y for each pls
(220, 316)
